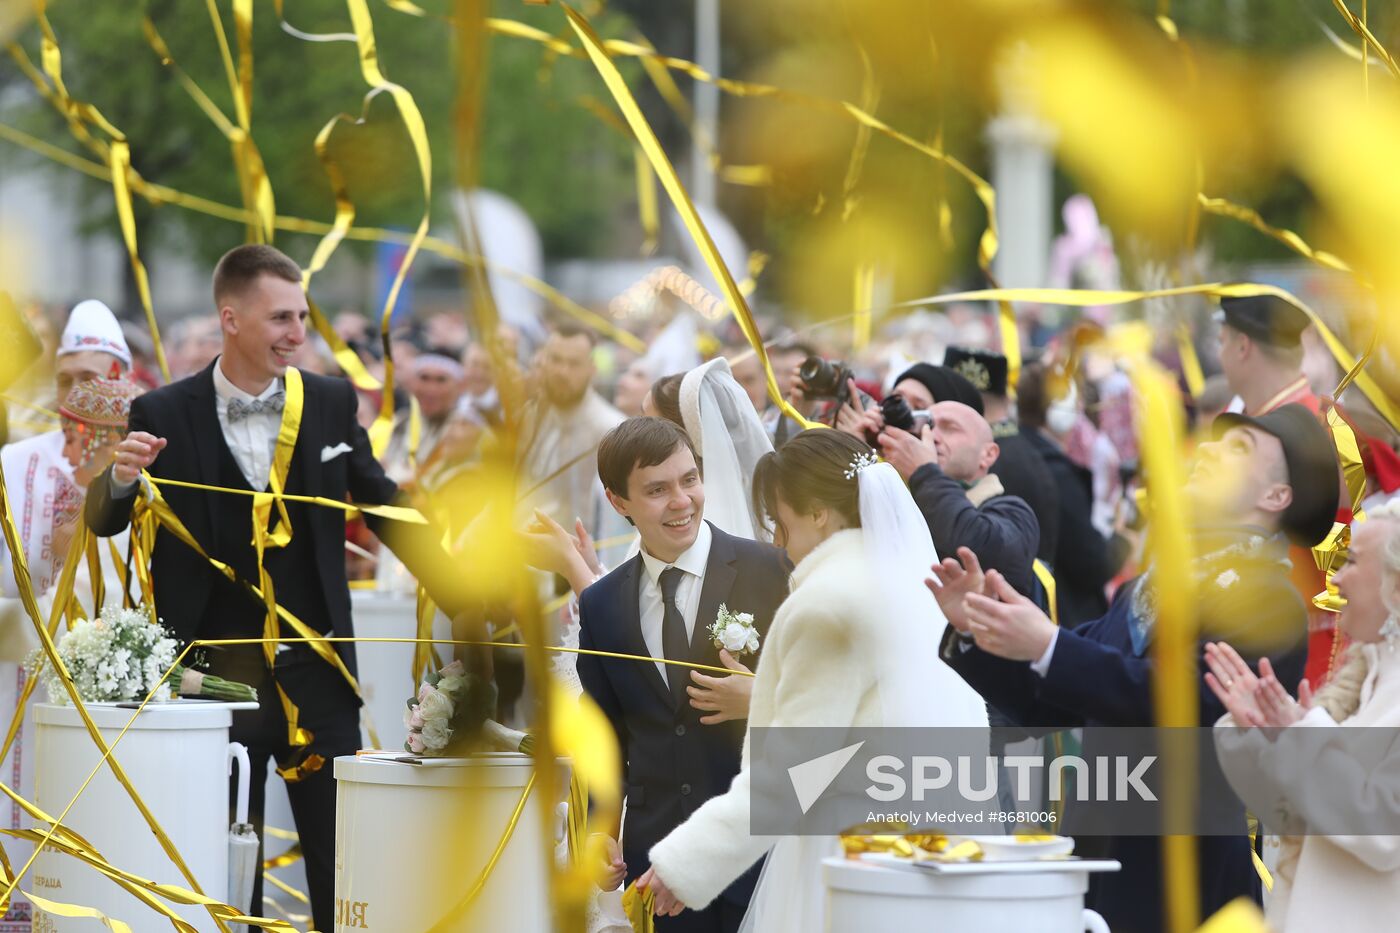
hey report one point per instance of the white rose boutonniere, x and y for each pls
(734, 632)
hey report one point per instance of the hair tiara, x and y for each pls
(860, 462)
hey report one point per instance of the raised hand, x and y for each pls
(724, 698)
(1234, 684)
(952, 582)
(549, 547)
(1276, 707)
(666, 903)
(905, 451)
(850, 418)
(1007, 624)
(583, 542)
(134, 454)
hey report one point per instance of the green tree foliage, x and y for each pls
(560, 162)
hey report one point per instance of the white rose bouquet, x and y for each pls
(735, 632)
(451, 716)
(120, 657)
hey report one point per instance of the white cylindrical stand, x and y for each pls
(176, 755)
(991, 897)
(411, 840)
(386, 668)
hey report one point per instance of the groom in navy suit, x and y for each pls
(661, 604)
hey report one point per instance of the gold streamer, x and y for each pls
(671, 182)
(1190, 362)
(81, 913)
(450, 919)
(1047, 581)
(1088, 297)
(121, 164)
(640, 908)
(1225, 208)
(1367, 37)
(864, 299)
(26, 591)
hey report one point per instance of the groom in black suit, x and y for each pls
(661, 603)
(220, 427)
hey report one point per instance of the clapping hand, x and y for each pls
(1258, 702)
(666, 903)
(1007, 624)
(1281, 710)
(950, 584)
(724, 698)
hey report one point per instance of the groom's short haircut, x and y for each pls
(637, 442)
(243, 265)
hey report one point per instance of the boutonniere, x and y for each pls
(734, 632)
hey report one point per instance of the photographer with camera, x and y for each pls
(1020, 467)
(906, 407)
(947, 468)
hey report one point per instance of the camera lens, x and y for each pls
(897, 412)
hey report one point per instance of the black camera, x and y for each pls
(824, 379)
(898, 414)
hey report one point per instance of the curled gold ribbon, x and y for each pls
(738, 306)
(26, 591)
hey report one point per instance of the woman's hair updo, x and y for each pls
(809, 472)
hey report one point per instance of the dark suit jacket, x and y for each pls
(1084, 560)
(184, 414)
(1002, 532)
(1023, 474)
(1096, 679)
(671, 762)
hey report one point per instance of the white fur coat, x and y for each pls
(819, 667)
(1330, 882)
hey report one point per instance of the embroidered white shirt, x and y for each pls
(251, 440)
(693, 561)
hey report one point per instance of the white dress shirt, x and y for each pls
(693, 561)
(251, 440)
(1041, 665)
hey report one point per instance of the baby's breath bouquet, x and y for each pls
(120, 656)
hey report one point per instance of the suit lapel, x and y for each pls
(719, 580)
(204, 427)
(631, 619)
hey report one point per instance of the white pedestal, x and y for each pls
(176, 755)
(410, 841)
(989, 897)
(386, 668)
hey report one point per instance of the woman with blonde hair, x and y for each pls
(1341, 785)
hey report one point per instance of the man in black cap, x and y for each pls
(1261, 353)
(1019, 466)
(923, 384)
(1261, 483)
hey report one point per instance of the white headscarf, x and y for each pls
(729, 437)
(92, 326)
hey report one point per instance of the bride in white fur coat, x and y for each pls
(855, 644)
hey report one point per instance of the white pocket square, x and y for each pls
(330, 453)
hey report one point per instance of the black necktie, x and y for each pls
(674, 645)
